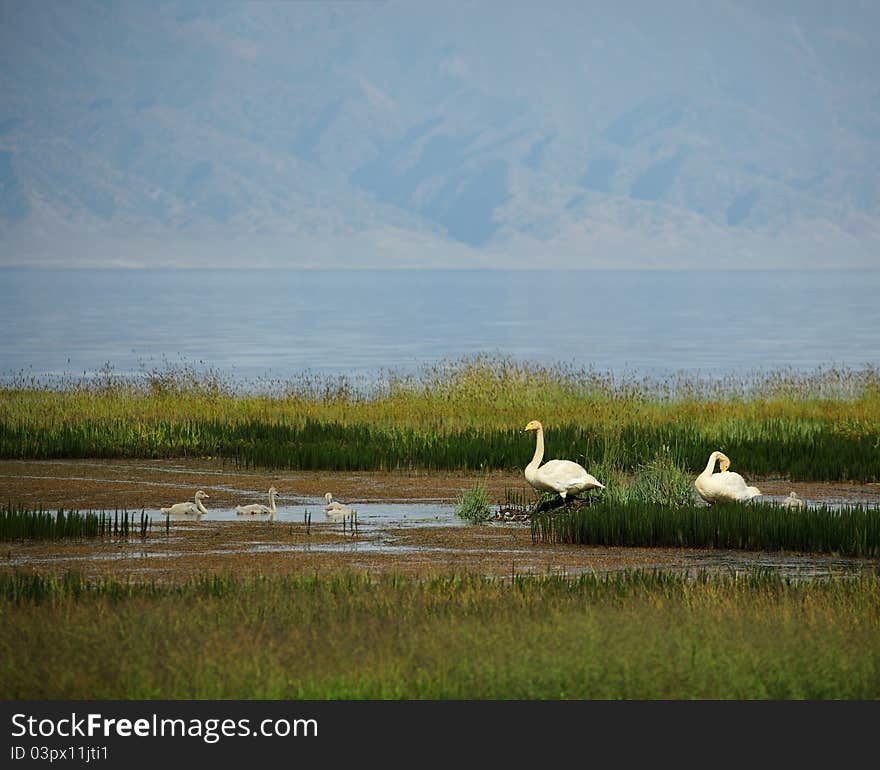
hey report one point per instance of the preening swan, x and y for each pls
(256, 508)
(561, 476)
(724, 487)
(189, 509)
(335, 509)
(792, 501)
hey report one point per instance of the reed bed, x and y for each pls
(20, 523)
(626, 635)
(847, 531)
(465, 415)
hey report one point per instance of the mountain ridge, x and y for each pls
(403, 134)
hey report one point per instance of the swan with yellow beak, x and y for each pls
(564, 477)
(723, 487)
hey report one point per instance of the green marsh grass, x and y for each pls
(663, 479)
(461, 415)
(20, 523)
(473, 505)
(847, 531)
(628, 635)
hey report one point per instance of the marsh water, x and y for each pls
(277, 324)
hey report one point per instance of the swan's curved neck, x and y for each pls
(539, 449)
(710, 466)
(201, 507)
(272, 501)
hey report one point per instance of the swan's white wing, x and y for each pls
(179, 509)
(568, 476)
(593, 483)
(252, 509)
(740, 487)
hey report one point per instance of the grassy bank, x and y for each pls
(634, 635)
(465, 416)
(851, 531)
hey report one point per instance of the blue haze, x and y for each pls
(388, 134)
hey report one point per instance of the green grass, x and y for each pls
(631, 635)
(464, 415)
(20, 523)
(473, 505)
(662, 480)
(849, 531)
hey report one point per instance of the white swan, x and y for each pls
(333, 505)
(561, 476)
(792, 501)
(724, 487)
(257, 508)
(189, 509)
(336, 510)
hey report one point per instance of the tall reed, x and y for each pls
(848, 531)
(20, 523)
(463, 415)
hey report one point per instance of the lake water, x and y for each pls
(260, 324)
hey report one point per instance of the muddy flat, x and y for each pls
(136, 484)
(406, 525)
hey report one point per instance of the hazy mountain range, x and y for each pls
(510, 134)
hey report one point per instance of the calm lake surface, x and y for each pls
(254, 325)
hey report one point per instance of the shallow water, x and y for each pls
(369, 515)
(415, 513)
